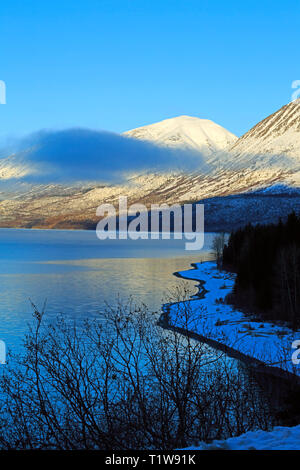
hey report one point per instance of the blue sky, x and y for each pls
(120, 64)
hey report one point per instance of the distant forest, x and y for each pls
(266, 259)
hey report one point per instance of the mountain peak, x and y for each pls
(202, 135)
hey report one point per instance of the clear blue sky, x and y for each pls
(120, 64)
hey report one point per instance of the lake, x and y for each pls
(76, 274)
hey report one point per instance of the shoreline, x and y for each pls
(259, 365)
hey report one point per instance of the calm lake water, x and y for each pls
(77, 274)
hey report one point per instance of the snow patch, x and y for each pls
(280, 438)
(211, 317)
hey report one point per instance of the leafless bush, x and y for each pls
(121, 382)
(217, 248)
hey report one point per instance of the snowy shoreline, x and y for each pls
(225, 328)
(280, 438)
(266, 346)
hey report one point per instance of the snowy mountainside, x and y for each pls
(55, 206)
(234, 170)
(277, 135)
(14, 167)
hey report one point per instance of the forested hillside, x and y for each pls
(266, 259)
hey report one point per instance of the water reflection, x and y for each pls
(77, 274)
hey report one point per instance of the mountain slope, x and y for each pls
(277, 135)
(190, 132)
(267, 156)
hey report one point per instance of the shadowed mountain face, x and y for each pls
(83, 155)
(58, 179)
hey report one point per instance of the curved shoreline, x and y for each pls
(260, 366)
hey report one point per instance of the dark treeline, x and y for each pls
(266, 259)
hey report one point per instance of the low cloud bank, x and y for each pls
(82, 154)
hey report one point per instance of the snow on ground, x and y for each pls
(280, 438)
(211, 317)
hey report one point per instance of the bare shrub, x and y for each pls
(217, 248)
(121, 382)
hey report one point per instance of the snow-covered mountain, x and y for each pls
(268, 156)
(201, 135)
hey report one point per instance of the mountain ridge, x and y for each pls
(277, 134)
(266, 158)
